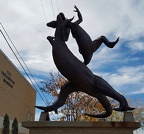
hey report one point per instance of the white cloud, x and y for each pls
(136, 46)
(126, 79)
(128, 75)
(103, 56)
(140, 91)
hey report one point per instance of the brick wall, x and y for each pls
(17, 96)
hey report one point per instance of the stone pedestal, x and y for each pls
(82, 127)
(128, 117)
(44, 116)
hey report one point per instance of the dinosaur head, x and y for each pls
(61, 21)
(60, 18)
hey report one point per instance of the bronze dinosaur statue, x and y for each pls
(86, 46)
(80, 77)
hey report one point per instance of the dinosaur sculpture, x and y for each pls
(80, 77)
(86, 46)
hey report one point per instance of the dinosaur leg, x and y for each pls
(104, 88)
(102, 39)
(106, 105)
(64, 92)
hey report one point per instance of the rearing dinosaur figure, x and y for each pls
(80, 77)
(86, 46)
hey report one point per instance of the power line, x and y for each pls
(21, 64)
(43, 10)
(46, 102)
(57, 5)
(22, 58)
(52, 8)
(18, 54)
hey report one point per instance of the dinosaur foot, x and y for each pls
(102, 115)
(124, 108)
(112, 44)
(47, 109)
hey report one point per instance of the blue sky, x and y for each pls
(122, 66)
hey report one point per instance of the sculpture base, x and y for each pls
(44, 116)
(128, 117)
(81, 127)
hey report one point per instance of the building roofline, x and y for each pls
(16, 68)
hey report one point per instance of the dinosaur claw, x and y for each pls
(112, 44)
(47, 109)
(130, 108)
(124, 108)
(42, 108)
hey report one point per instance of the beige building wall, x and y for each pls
(17, 96)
